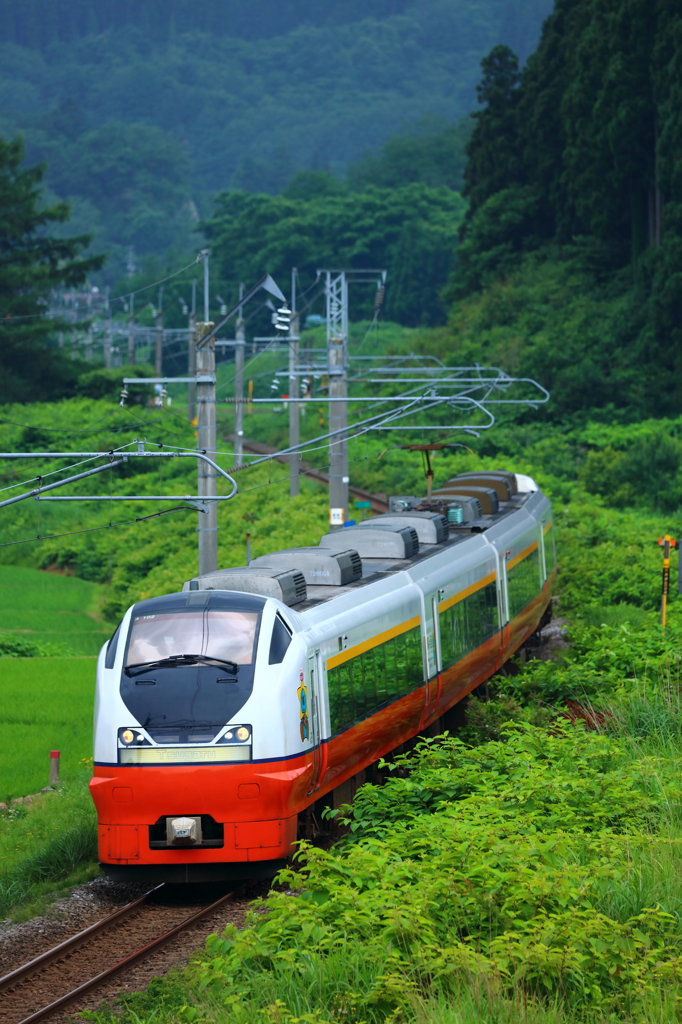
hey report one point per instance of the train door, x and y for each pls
(543, 556)
(314, 674)
(432, 655)
(503, 598)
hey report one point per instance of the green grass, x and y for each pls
(48, 607)
(47, 846)
(45, 704)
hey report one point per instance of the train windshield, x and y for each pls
(218, 633)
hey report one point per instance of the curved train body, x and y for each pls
(223, 713)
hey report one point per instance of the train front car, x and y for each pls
(225, 711)
(191, 720)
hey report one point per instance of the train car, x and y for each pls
(225, 711)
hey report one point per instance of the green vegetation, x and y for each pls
(32, 263)
(411, 231)
(573, 183)
(145, 111)
(47, 846)
(45, 704)
(47, 608)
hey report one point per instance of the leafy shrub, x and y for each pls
(87, 562)
(102, 383)
(485, 718)
(479, 865)
(14, 646)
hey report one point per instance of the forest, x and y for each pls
(144, 111)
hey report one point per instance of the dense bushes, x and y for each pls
(488, 868)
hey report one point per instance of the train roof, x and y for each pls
(375, 569)
(291, 578)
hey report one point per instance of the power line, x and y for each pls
(9, 317)
(93, 529)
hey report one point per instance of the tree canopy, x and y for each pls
(188, 99)
(410, 231)
(577, 158)
(32, 263)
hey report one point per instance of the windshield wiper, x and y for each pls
(183, 659)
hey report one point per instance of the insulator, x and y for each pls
(123, 396)
(282, 318)
(379, 298)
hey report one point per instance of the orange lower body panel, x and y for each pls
(252, 802)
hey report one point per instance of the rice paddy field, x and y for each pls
(50, 608)
(46, 702)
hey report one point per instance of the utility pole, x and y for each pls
(206, 439)
(336, 292)
(158, 354)
(204, 381)
(131, 333)
(294, 431)
(240, 344)
(107, 331)
(192, 353)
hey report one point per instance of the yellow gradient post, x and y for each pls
(666, 542)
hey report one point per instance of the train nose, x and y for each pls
(185, 831)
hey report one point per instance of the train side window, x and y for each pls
(279, 644)
(110, 656)
(467, 624)
(524, 583)
(372, 679)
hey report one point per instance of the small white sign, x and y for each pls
(336, 516)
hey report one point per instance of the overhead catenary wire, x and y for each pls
(107, 526)
(9, 317)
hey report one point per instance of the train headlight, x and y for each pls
(132, 737)
(236, 735)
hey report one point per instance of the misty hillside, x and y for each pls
(145, 110)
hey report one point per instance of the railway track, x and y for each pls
(64, 974)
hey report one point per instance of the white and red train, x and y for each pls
(226, 710)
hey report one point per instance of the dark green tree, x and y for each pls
(579, 162)
(32, 263)
(433, 152)
(494, 150)
(411, 231)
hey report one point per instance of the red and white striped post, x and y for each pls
(54, 767)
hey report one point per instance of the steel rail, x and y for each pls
(58, 951)
(11, 979)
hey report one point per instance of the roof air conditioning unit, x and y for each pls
(431, 527)
(319, 567)
(374, 541)
(286, 585)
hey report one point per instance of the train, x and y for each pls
(226, 712)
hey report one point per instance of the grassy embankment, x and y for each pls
(45, 702)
